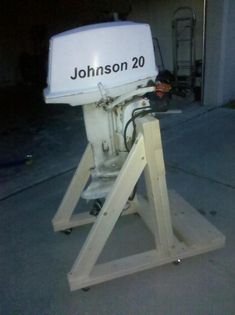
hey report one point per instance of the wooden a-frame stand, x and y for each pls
(179, 233)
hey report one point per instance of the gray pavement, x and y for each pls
(199, 147)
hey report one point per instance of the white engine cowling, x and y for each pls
(108, 58)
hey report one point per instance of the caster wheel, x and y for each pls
(67, 232)
(177, 262)
(97, 206)
(85, 289)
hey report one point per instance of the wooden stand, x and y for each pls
(178, 234)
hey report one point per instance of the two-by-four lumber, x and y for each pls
(111, 210)
(199, 236)
(154, 174)
(191, 227)
(192, 234)
(83, 218)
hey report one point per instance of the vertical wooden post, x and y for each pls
(154, 174)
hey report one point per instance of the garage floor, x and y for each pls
(199, 152)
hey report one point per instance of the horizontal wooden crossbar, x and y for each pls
(178, 229)
(193, 235)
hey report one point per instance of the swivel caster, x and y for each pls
(67, 232)
(97, 206)
(177, 262)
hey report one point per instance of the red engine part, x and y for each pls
(162, 89)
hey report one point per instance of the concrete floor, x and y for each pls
(199, 152)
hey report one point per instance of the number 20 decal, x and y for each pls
(138, 62)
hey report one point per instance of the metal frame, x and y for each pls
(179, 233)
(180, 41)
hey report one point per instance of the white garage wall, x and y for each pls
(159, 15)
(220, 52)
(215, 50)
(229, 64)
